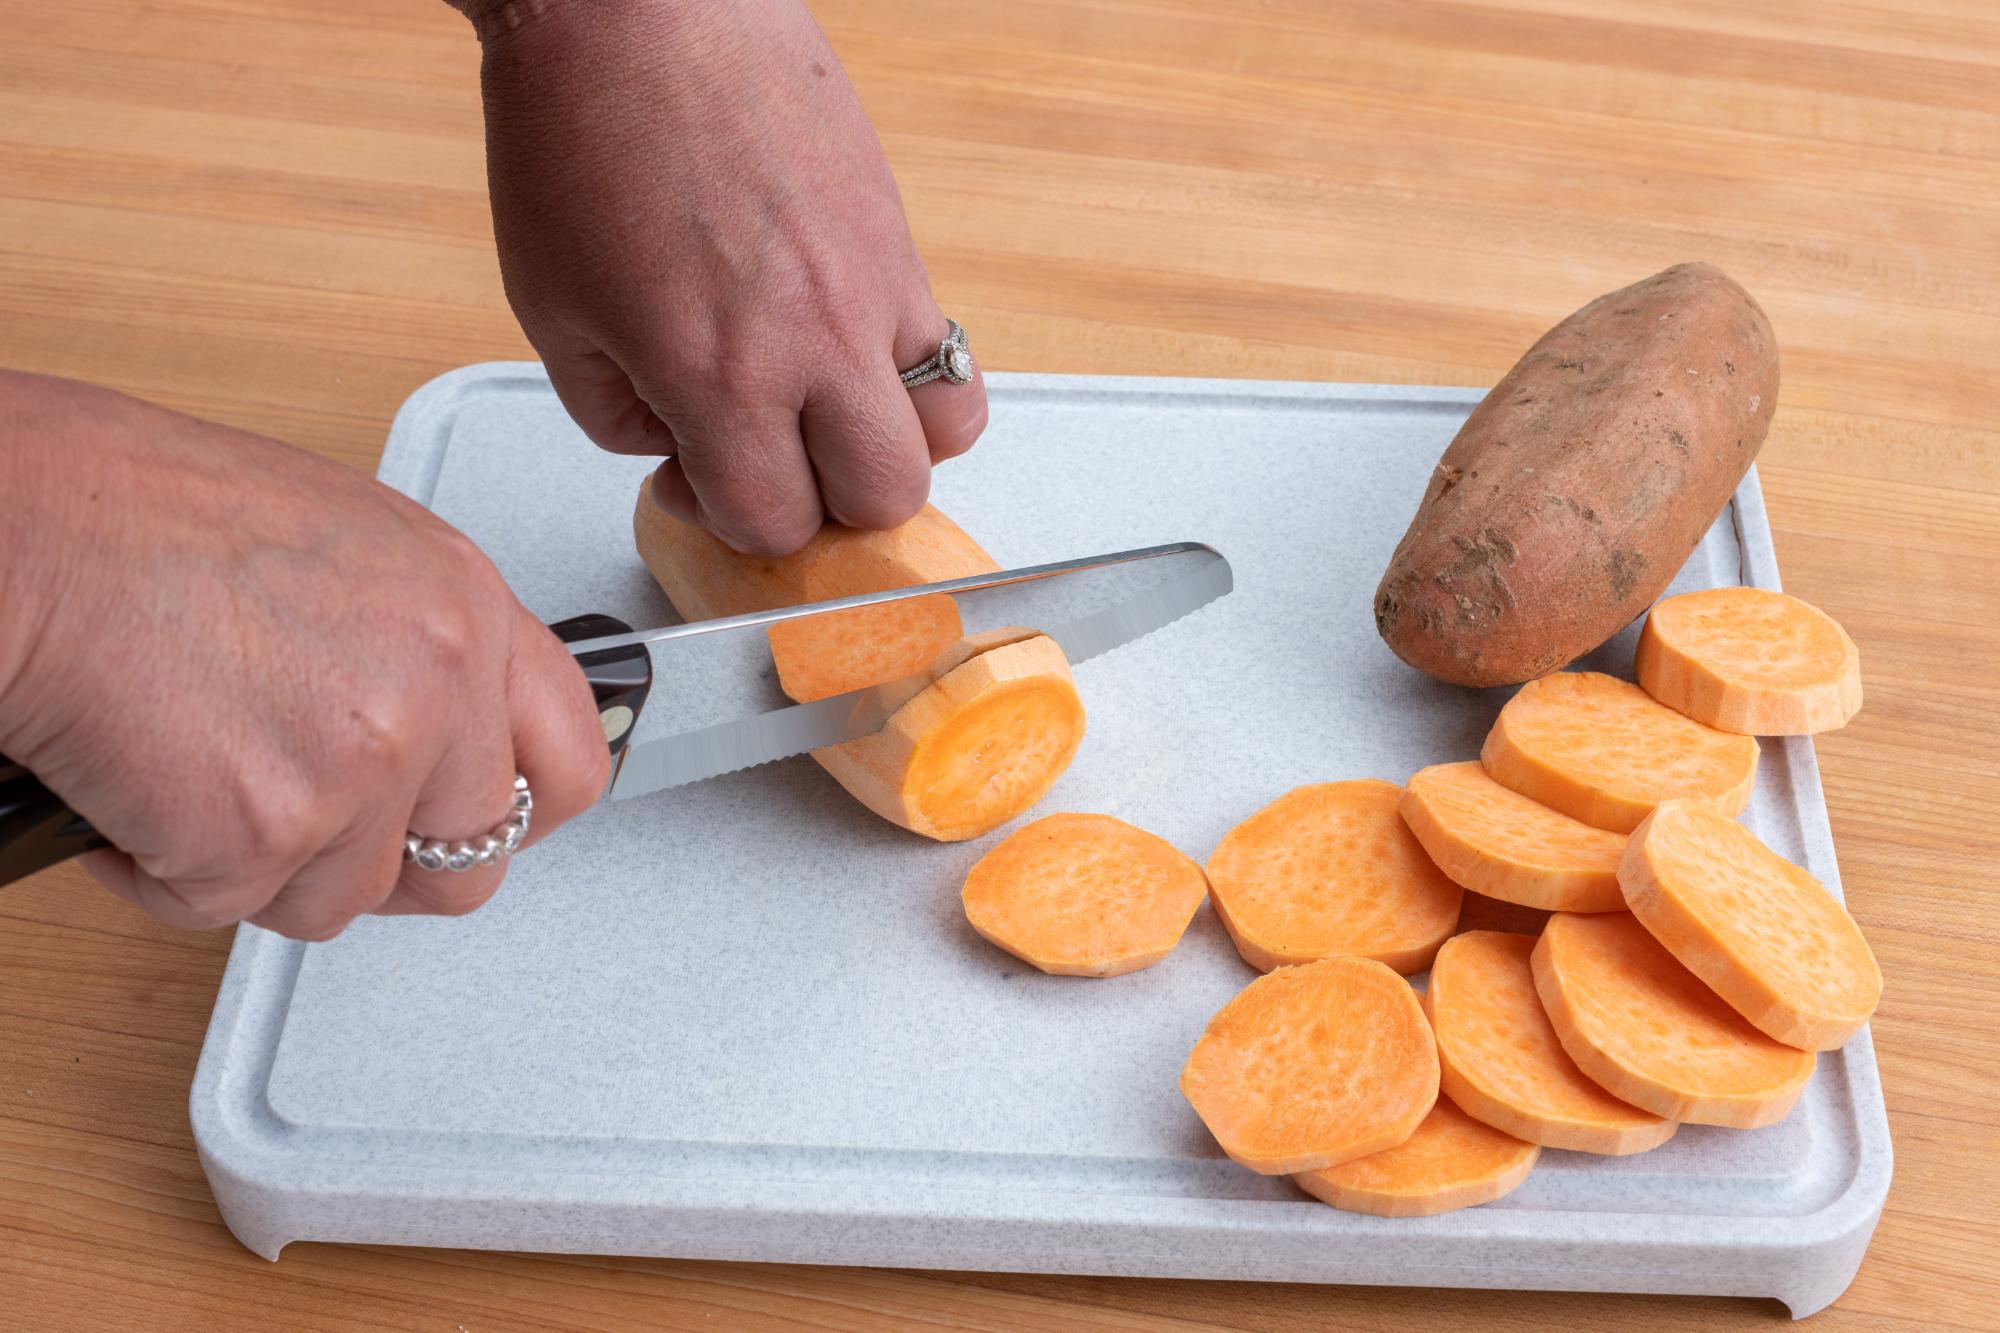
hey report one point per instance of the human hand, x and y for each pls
(253, 670)
(705, 245)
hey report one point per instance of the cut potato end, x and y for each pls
(1761, 932)
(1315, 1065)
(1603, 751)
(1497, 842)
(1083, 895)
(1331, 869)
(1502, 1063)
(1752, 661)
(973, 750)
(1649, 1032)
(1452, 1161)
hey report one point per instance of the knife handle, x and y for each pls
(37, 830)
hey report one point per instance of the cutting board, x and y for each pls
(746, 1020)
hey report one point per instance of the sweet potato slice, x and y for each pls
(1313, 1066)
(1502, 1063)
(973, 750)
(1649, 1032)
(1331, 869)
(1498, 842)
(1764, 934)
(1452, 1161)
(1752, 661)
(1600, 750)
(988, 737)
(1083, 895)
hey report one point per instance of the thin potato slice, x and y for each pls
(1451, 1161)
(1600, 749)
(1498, 842)
(1763, 933)
(1502, 1063)
(1649, 1032)
(1331, 869)
(1752, 661)
(1083, 895)
(1313, 1066)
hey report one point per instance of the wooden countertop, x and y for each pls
(271, 212)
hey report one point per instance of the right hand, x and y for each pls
(252, 669)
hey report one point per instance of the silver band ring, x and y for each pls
(952, 362)
(488, 849)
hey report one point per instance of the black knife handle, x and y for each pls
(37, 830)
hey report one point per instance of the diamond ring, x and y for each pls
(952, 362)
(488, 849)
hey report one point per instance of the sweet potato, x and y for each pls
(1764, 934)
(1649, 1031)
(997, 726)
(1500, 1059)
(1083, 895)
(1600, 750)
(1579, 485)
(1313, 1066)
(1331, 869)
(1451, 1161)
(1752, 661)
(1499, 843)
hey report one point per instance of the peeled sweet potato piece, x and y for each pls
(1452, 1161)
(1497, 842)
(1649, 1032)
(1752, 661)
(1315, 1065)
(982, 725)
(1083, 895)
(1579, 485)
(1600, 750)
(1763, 933)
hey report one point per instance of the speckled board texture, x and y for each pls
(745, 1019)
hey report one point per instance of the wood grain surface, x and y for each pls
(271, 212)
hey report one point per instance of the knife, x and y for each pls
(1086, 606)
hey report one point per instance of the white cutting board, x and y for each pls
(745, 1019)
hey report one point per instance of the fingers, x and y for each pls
(867, 448)
(558, 737)
(352, 876)
(748, 467)
(599, 396)
(952, 416)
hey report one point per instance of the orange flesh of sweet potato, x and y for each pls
(973, 750)
(1649, 1032)
(1600, 750)
(1331, 869)
(1452, 1161)
(851, 650)
(1313, 1066)
(1752, 661)
(1000, 720)
(1497, 842)
(1764, 934)
(1083, 895)
(1502, 1063)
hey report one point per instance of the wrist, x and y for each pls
(34, 526)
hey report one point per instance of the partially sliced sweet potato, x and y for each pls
(1601, 750)
(1083, 895)
(1502, 1063)
(1498, 842)
(1331, 869)
(1763, 933)
(1313, 1066)
(973, 750)
(1649, 1032)
(984, 741)
(1752, 661)
(1452, 1161)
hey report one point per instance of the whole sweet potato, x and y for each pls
(1580, 484)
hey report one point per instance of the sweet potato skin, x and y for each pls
(1580, 484)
